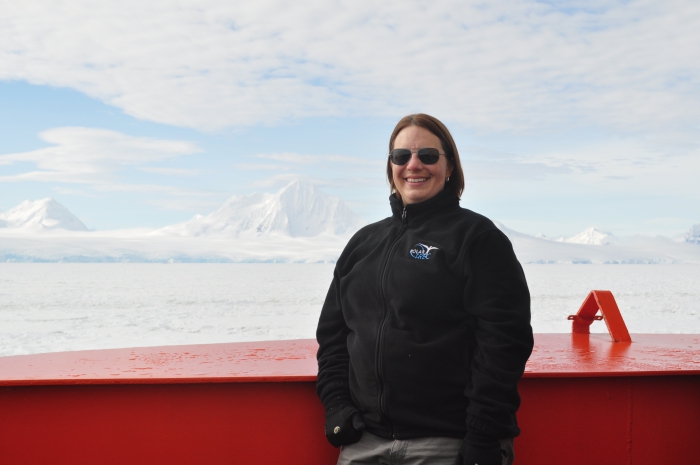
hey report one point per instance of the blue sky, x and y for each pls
(567, 115)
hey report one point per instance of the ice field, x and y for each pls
(46, 307)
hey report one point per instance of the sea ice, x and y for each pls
(48, 307)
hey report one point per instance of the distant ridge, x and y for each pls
(693, 234)
(297, 210)
(41, 215)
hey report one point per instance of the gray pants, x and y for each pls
(373, 450)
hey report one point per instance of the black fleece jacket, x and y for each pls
(426, 325)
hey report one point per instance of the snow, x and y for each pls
(297, 224)
(634, 250)
(693, 234)
(591, 236)
(297, 210)
(144, 246)
(47, 307)
(40, 215)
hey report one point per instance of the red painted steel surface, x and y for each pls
(585, 400)
(583, 355)
(273, 361)
(554, 355)
(212, 423)
(640, 420)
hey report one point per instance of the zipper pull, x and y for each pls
(403, 216)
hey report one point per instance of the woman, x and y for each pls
(425, 330)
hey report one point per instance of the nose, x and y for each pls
(414, 164)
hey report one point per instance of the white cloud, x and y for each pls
(290, 157)
(517, 66)
(346, 182)
(304, 159)
(185, 204)
(281, 180)
(619, 167)
(172, 171)
(261, 167)
(154, 188)
(70, 191)
(91, 156)
(484, 170)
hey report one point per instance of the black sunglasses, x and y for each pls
(426, 156)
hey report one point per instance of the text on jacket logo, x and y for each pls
(421, 251)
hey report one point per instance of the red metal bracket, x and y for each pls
(605, 302)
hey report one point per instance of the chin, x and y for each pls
(416, 196)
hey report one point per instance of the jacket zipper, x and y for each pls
(380, 340)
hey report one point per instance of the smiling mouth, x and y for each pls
(413, 180)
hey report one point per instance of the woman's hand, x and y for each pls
(344, 425)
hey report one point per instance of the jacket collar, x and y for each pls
(420, 211)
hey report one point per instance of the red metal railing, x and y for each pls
(584, 400)
(587, 314)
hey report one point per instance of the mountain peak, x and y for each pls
(298, 188)
(693, 234)
(297, 184)
(591, 236)
(297, 210)
(43, 214)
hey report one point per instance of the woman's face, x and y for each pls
(415, 181)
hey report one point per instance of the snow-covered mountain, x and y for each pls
(41, 215)
(591, 236)
(634, 250)
(297, 224)
(297, 210)
(693, 234)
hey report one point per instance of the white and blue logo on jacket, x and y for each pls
(421, 251)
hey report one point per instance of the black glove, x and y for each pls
(480, 449)
(344, 425)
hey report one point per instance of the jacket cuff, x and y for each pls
(489, 429)
(336, 402)
(481, 440)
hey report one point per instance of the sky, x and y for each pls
(566, 114)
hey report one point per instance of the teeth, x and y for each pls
(416, 179)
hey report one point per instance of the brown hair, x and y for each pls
(434, 125)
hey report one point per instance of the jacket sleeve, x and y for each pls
(333, 359)
(497, 301)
